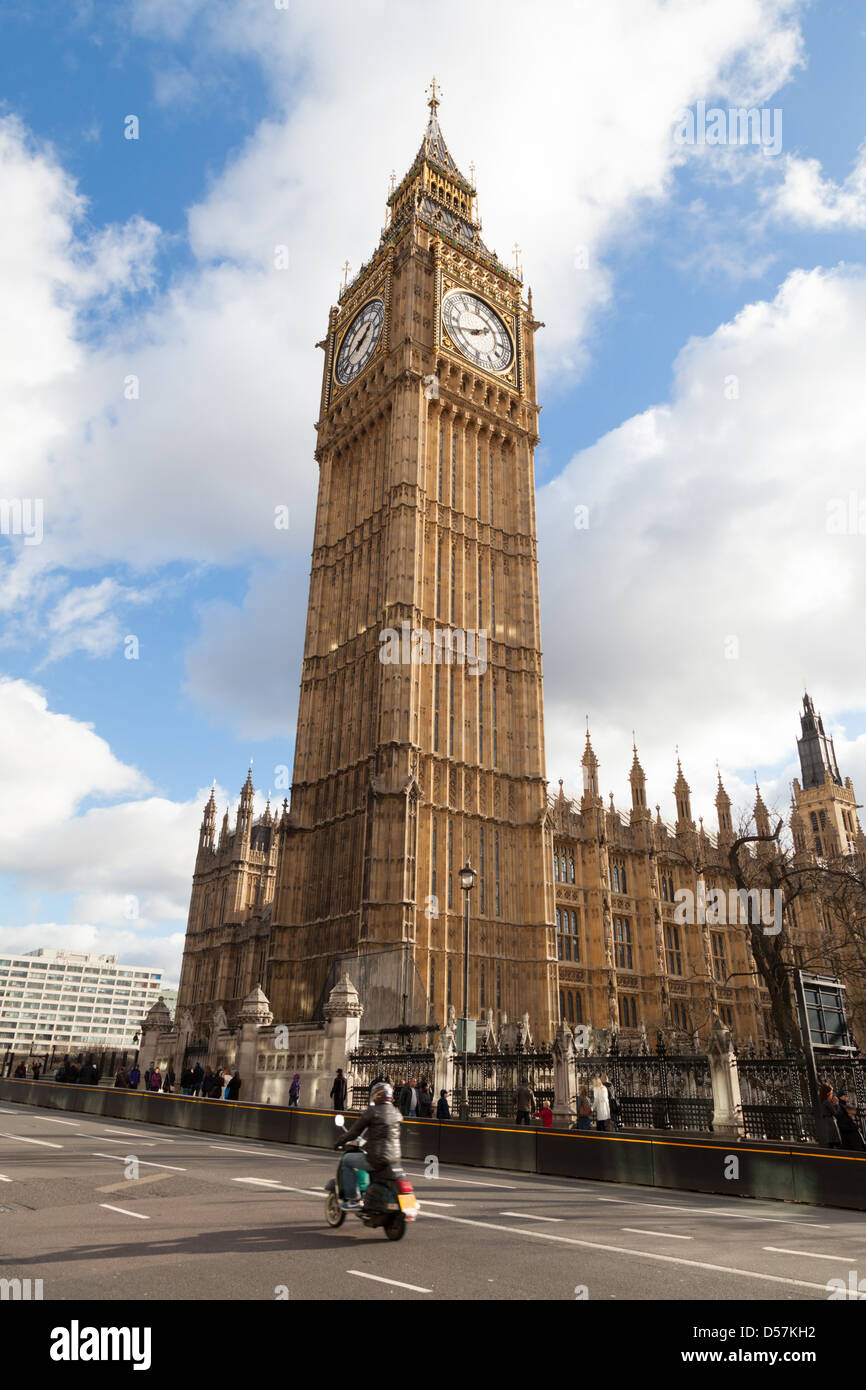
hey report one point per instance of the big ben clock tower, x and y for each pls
(420, 741)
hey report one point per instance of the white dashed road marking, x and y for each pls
(281, 1187)
(807, 1254)
(529, 1216)
(141, 1216)
(668, 1235)
(19, 1138)
(145, 1163)
(395, 1283)
(640, 1254)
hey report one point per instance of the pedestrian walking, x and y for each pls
(339, 1090)
(122, 1078)
(295, 1091)
(830, 1113)
(216, 1085)
(601, 1104)
(850, 1133)
(233, 1089)
(584, 1110)
(615, 1107)
(197, 1078)
(425, 1100)
(134, 1077)
(20, 1072)
(525, 1103)
(37, 1071)
(407, 1101)
(148, 1073)
(443, 1111)
(545, 1115)
(186, 1081)
(155, 1080)
(168, 1080)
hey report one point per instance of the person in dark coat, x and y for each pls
(339, 1090)
(849, 1129)
(442, 1109)
(134, 1077)
(295, 1090)
(186, 1081)
(122, 1078)
(233, 1087)
(197, 1078)
(20, 1072)
(425, 1101)
(830, 1114)
(37, 1071)
(169, 1079)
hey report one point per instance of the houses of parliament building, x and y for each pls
(420, 737)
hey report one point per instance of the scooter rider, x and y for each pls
(382, 1122)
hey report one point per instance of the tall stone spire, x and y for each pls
(817, 755)
(761, 814)
(723, 812)
(208, 823)
(245, 809)
(589, 763)
(683, 797)
(637, 778)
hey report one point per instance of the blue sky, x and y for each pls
(153, 257)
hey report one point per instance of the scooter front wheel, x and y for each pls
(334, 1214)
(395, 1227)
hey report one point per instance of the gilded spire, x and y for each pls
(433, 103)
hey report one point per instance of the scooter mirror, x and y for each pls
(340, 1121)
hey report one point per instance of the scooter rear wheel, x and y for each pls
(395, 1227)
(334, 1214)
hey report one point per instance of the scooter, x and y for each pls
(388, 1201)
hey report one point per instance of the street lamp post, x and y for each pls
(467, 877)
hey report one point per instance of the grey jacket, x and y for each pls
(382, 1124)
(525, 1099)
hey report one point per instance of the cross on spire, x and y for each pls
(433, 103)
(346, 270)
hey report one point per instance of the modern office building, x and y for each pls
(54, 998)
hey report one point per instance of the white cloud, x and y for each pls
(709, 522)
(228, 381)
(808, 199)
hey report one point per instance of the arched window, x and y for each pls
(664, 889)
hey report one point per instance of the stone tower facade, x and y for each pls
(420, 741)
(827, 806)
(228, 928)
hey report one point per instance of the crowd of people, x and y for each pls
(194, 1081)
(841, 1119)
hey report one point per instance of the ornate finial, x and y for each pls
(517, 267)
(433, 103)
(346, 270)
(393, 180)
(472, 173)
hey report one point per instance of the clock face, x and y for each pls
(359, 341)
(478, 331)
